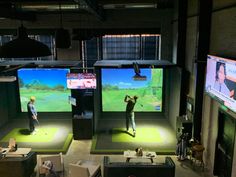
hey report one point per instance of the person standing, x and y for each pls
(32, 114)
(131, 101)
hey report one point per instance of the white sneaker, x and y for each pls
(33, 133)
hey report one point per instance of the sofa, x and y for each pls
(138, 169)
(18, 166)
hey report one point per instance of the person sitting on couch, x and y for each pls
(47, 167)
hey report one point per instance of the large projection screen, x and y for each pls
(48, 85)
(117, 83)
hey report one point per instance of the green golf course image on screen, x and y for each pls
(47, 85)
(117, 83)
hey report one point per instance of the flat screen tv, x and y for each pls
(116, 83)
(48, 85)
(221, 80)
(81, 80)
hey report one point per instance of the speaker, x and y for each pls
(63, 40)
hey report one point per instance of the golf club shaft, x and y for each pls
(140, 104)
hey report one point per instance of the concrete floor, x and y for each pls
(80, 150)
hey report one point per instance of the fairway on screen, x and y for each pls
(48, 86)
(117, 83)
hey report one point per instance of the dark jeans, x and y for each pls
(31, 125)
(130, 118)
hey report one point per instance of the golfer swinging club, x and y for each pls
(32, 115)
(131, 101)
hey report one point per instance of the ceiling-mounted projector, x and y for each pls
(7, 78)
(139, 78)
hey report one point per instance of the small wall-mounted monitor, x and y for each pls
(189, 105)
(72, 100)
(221, 80)
(81, 80)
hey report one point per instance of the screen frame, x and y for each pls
(108, 113)
(215, 97)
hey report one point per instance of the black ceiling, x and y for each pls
(28, 10)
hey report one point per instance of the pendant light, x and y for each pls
(23, 47)
(62, 38)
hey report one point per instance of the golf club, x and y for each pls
(140, 104)
(45, 133)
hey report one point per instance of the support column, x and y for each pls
(204, 29)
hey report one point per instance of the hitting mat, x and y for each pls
(144, 134)
(159, 139)
(45, 140)
(23, 135)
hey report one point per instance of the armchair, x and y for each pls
(197, 155)
(84, 169)
(57, 161)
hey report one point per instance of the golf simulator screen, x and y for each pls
(117, 83)
(48, 86)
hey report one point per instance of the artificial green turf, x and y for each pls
(59, 149)
(22, 135)
(120, 149)
(143, 134)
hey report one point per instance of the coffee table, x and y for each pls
(146, 155)
(19, 152)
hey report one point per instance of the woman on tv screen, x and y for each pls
(220, 79)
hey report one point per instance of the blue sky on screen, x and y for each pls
(50, 77)
(123, 78)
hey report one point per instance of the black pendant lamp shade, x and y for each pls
(62, 36)
(24, 47)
